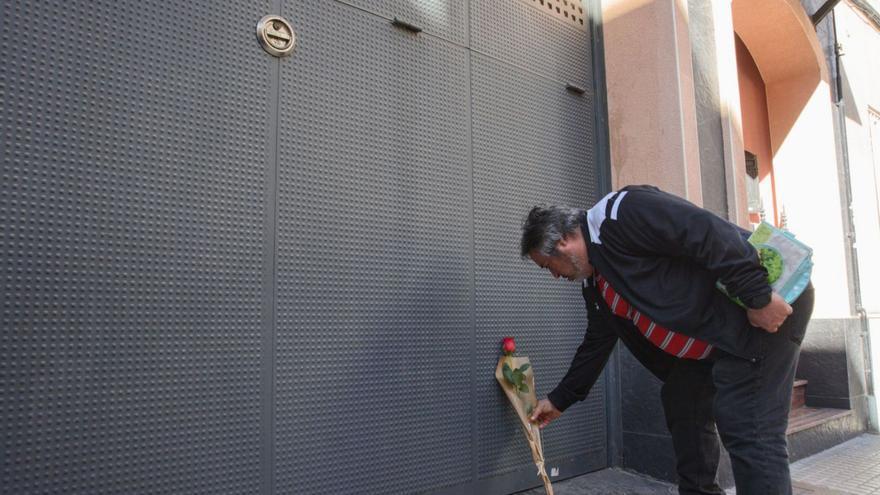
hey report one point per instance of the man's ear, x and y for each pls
(570, 241)
(566, 240)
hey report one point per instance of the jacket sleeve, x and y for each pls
(588, 362)
(652, 222)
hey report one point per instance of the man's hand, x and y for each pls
(771, 316)
(544, 413)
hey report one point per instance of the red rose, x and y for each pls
(508, 345)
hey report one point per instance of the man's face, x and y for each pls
(569, 262)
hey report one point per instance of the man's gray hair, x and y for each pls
(544, 227)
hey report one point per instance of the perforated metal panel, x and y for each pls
(527, 37)
(447, 19)
(131, 236)
(531, 146)
(571, 12)
(146, 241)
(374, 258)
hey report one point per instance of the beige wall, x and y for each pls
(808, 190)
(651, 106)
(860, 41)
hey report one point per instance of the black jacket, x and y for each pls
(664, 255)
(603, 331)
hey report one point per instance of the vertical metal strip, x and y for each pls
(614, 425)
(600, 95)
(267, 352)
(473, 289)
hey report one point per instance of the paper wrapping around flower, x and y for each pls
(519, 400)
(522, 402)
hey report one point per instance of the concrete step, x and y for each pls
(804, 418)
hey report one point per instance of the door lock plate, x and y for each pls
(276, 36)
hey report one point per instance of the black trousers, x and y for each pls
(746, 402)
(688, 395)
(752, 402)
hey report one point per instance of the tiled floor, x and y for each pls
(851, 468)
(609, 481)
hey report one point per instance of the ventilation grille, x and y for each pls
(572, 12)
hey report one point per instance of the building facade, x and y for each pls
(735, 107)
(228, 269)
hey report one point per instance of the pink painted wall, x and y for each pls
(756, 124)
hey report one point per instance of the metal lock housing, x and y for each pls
(276, 35)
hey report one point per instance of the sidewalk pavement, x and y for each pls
(851, 468)
(609, 481)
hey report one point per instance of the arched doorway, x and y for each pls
(797, 159)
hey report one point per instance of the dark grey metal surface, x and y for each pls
(602, 154)
(447, 19)
(528, 38)
(228, 273)
(267, 352)
(531, 146)
(131, 235)
(374, 258)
